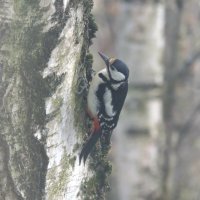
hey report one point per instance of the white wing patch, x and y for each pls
(108, 103)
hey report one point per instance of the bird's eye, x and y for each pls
(111, 66)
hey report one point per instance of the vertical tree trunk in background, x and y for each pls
(172, 31)
(43, 64)
(140, 134)
(181, 101)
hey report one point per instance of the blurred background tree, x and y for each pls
(156, 145)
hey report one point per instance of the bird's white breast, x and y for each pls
(92, 100)
(108, 103)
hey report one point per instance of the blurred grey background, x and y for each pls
(156, 145)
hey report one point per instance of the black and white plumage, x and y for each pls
(106, 96)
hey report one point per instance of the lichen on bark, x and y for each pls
(46, 68)
(23, 99)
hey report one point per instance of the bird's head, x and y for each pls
(117, 70)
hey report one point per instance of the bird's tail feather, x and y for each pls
(87, 147)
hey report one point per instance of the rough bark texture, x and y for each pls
(44, 64)
(22, 110)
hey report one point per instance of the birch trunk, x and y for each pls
(44, 66)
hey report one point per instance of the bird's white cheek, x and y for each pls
(117, 75)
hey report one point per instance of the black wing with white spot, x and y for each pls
(110, 105)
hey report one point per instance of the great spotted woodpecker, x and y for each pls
(107, 92)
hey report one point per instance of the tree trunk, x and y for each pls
(172, 31)
(140, 132)
(181, 101)
(45, 64)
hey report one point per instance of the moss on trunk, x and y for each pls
(35, 38)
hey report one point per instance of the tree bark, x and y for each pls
(45, 65)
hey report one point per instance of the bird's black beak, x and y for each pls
(105, 58)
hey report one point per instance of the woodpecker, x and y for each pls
(106, 96)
